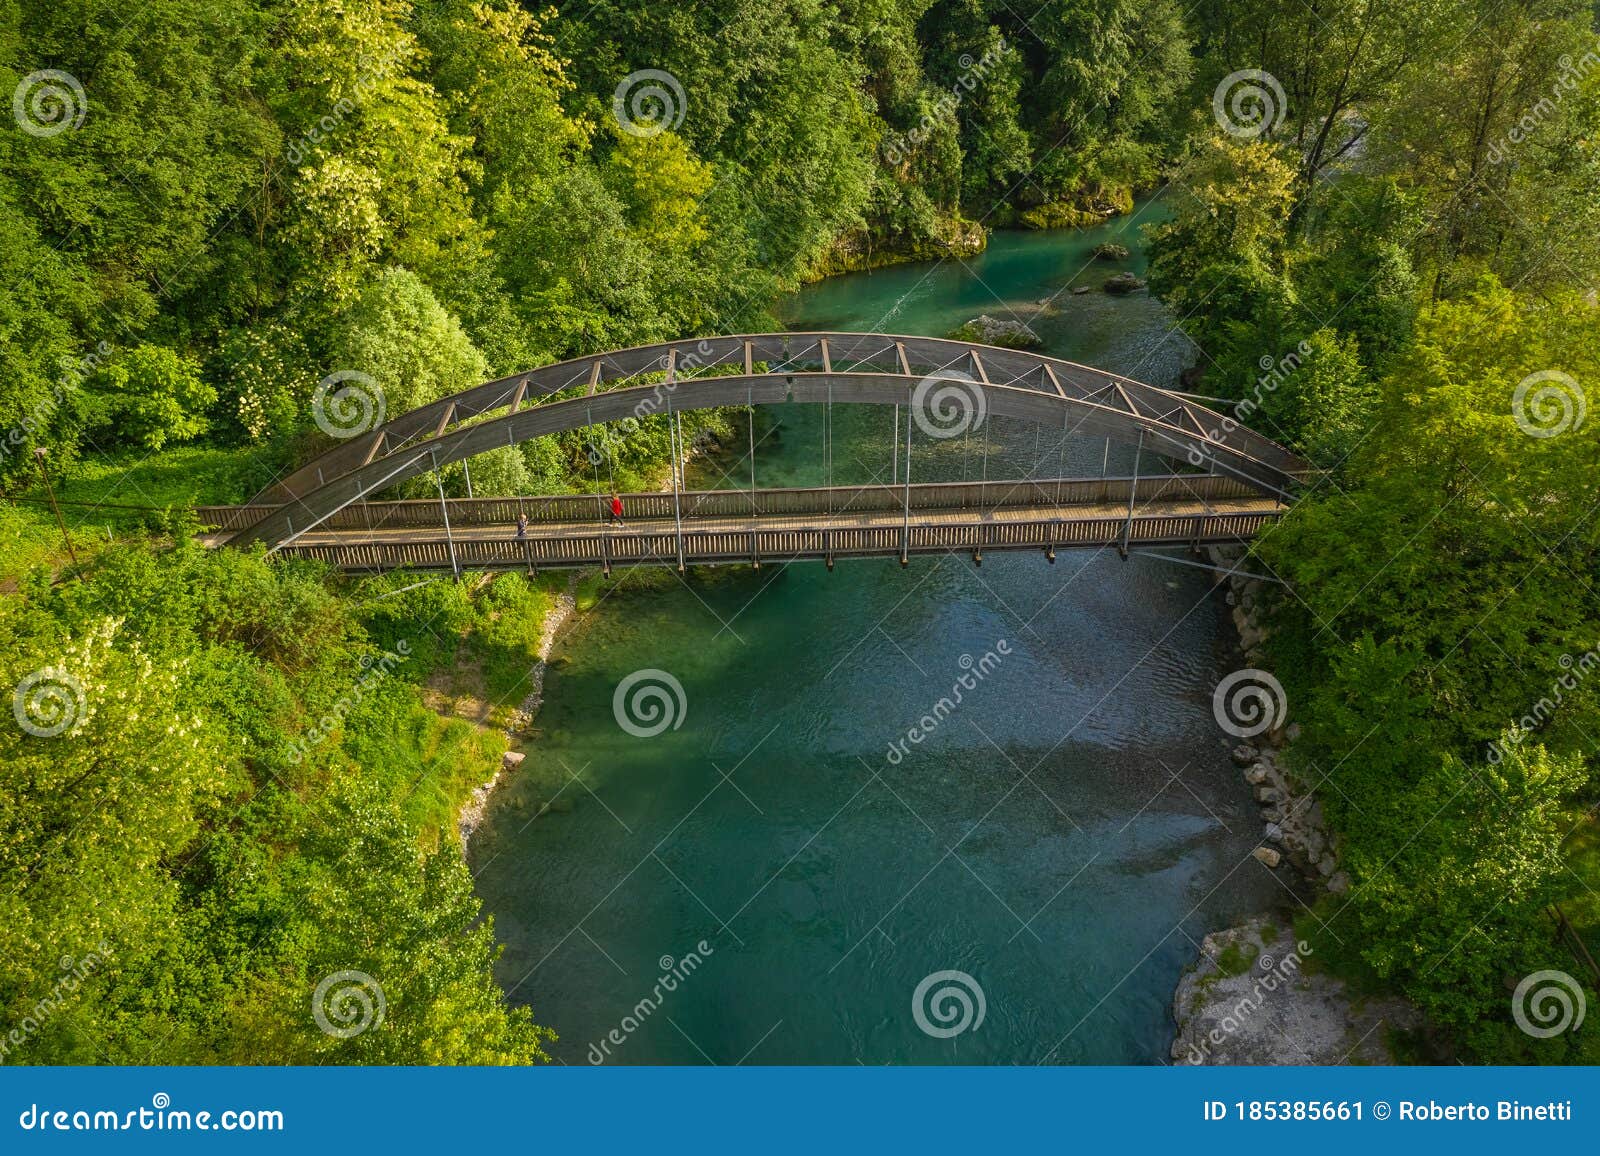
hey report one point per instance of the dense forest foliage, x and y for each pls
(440, 191)
(1384, 241)
(1391, 260)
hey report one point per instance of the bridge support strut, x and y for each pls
(1133, 493)
(444, 509)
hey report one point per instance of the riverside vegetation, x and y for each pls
(259, 194)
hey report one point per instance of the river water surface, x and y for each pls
(1064, 837)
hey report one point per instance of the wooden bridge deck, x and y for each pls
(719, 527)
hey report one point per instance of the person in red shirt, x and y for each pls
(616, 509)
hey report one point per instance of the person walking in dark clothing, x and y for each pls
(522, 525)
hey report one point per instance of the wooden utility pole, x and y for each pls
(38, 456)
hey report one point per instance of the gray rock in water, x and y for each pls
(1244, 754)
(1120, 283)
(1080, 290)
(988, 330)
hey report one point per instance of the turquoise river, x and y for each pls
(1063, 837)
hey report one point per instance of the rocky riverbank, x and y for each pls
(1250, 999)
(473, 811)
(860, 250)
(1295, 834)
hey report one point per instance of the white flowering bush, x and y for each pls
(101, 771)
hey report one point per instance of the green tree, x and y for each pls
(103, 779)
(399, 334)
(1441, 599)
(150, 396)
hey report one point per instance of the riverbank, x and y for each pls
(1255, 995)
(859, 251)
(559, 617)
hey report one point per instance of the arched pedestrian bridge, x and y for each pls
(1230, 482)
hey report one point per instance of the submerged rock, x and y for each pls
(1120, 283)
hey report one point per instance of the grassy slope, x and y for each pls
(471, 677)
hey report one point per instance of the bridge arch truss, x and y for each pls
(766, 369)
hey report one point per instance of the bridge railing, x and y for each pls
(712, 547)
(695, 504)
